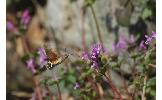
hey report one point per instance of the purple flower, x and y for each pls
(96, 50)
(94, 64)
(45, 92)
(25, 17)
(150, 38)
(30, 65)
(93, 55)
(10, 25)
(114, 48)
(76, 86)
(105, 50)
(153, 34)
(131, 39)
(34, 96)
(142, 45)
(85, 57)
(121, 44)
(42, 55)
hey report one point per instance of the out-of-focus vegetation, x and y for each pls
(98, 49)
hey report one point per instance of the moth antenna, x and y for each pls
(71, 52)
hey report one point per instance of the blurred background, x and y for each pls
(61, 24)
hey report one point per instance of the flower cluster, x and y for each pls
(93, 55)
(25, 18)
(76, 85)
(149, 39)
(31, 65)
(42, 56)
(122, 43)
(96, 50)
(10, 26)
(142, 45)
(31, 62)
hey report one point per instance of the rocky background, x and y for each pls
(62, 22)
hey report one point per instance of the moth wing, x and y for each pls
(52, 56)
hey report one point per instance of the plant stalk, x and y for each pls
(59, 91)
(114, 89)
(97, 25)
(144, 88)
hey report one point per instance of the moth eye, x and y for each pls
(48, 65)
(53, 65)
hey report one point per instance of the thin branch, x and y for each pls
(50, 93)
(59, 91)
(152, 65)
(113, 87)
(36, 77)
(124, 83)
(38, 89)
(97, 25)
(83, 29)
(144, 88)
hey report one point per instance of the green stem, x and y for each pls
(57, 85)
(113, 87)
(38, 89)
(59, 91)
(83, 30)
(50, 94)
(144, 88)
(35, 77)
(97, 25)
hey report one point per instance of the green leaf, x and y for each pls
(151, 82)
(103, 70)
(25, 57)
(71, 78)
(45, 80)
(146, 13)
(89, 2)
(98, 77)
(148, 90)
(52, 83)
(89, 72)
(73, 0)
(93, 93)
(153, 93)
(148, 53)
(104, 59)
(35, 54)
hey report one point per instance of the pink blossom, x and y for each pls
(25, 17)
(30, 65)
(42, 55)
(142, 45)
